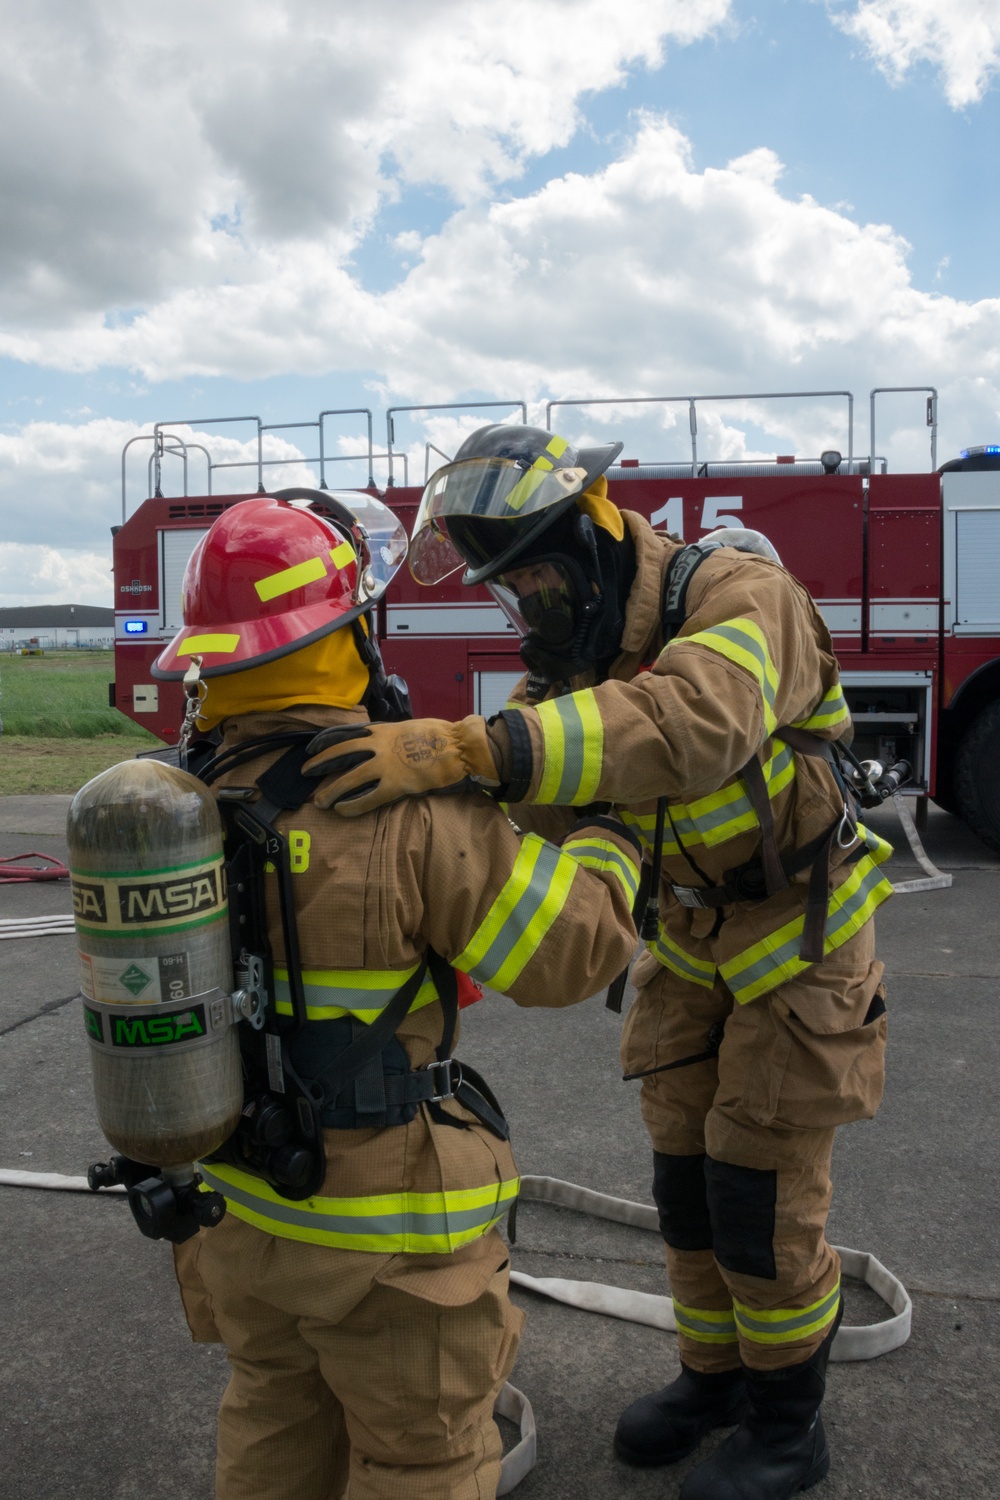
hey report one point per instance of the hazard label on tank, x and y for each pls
(127, 978)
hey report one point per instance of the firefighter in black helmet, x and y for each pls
(699, 681)
(512, 497)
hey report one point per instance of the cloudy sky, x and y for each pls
(279, 207)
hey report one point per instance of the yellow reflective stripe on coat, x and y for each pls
(705, 1325)
(776, 957)
(685, 965)
(725, 814)
(718, 817)
(604, 855)
(387, 1223)
(831, 712)
(364, 993)
(573, 740)
(743, 643)
(786, 1325)
(643, 825)
(516, 924)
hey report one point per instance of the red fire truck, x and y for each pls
(903, 568)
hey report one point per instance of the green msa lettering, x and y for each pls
(158, 1031)
(93, 1024)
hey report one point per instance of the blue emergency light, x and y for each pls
(977, 452)
(136, 627)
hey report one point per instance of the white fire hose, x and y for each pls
(612, 1301)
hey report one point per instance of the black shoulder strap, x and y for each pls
(247, 750)
(680, 570)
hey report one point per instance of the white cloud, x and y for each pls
(43, 575)
(961, 38)
(288, 124)
(60, 488)
(181, 146)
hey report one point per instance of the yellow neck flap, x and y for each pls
(329, 671)
(602, 511)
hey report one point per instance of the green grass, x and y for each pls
(31, 765)
(63, 695)
(58, 730)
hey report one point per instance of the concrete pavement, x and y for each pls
(103, 1397)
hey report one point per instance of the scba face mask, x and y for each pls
(551, 605)
(566, 603)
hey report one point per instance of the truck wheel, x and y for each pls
(977, 776)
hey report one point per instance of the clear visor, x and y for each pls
(488, 488)
(377, 535)
(539, 599)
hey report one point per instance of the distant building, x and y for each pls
(57, 627)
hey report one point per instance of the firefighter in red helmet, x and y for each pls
(693, 688)
(368, 1323)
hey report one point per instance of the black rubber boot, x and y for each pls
(780, 1448)
(668, 1425)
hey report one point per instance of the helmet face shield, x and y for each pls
(383, 544)
(491, 489)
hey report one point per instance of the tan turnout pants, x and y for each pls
(377, 1372)
(742, 1146)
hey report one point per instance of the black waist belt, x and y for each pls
(386, 1091)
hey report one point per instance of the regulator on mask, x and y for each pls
(566, 601)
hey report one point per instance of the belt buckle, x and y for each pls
(441, 1076)
(688, 895)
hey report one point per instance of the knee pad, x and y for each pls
(741, 1206)
(681, 1201)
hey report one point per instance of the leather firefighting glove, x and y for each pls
(369, 765)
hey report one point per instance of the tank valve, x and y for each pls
(162, 1208)
(875, 784)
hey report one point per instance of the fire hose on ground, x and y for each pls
(655, 1311)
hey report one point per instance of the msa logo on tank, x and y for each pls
(184, 896)
(144, 1031)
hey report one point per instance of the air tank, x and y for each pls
(152, 921)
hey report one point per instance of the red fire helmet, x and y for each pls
(269, 577)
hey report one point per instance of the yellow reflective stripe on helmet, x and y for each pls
(743, 643)
(387, 1223)
(573, 737)
(706, 1325)
(831, 711)
(673, 957)
(786, 1325)
(198, 643)
(342, 555)
(517, 922)
(776, 957)
(527, 486)
(363, 993)
(295, 577)
(602, 854)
